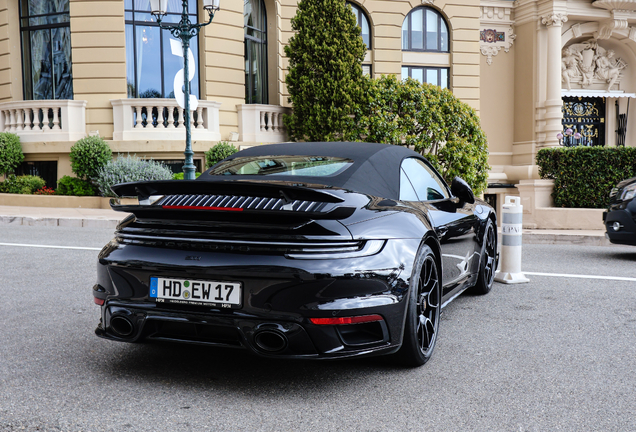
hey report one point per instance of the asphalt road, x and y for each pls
(555, 354)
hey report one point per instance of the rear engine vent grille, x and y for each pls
(247, 246)
(238, 203)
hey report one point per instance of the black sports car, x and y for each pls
(620, 217)
(298, 250)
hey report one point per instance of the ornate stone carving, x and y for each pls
(589, 64)
(489, 52)
(496, 28)
(555, 19)
(615, 4)
(619, 21)
(511, 39)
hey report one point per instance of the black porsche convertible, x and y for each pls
(297, 250)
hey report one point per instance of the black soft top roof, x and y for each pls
(375, 169)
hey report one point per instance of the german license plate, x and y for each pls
(196, 292)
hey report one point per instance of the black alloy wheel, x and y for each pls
(488, 262)
(423, 311)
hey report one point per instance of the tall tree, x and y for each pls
(325, 80)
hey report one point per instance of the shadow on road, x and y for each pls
(191, 366)
(627, 256)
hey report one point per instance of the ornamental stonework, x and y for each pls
(588, 65)
(554, 20)
(496, 29)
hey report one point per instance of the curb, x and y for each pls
(566, 239)
(63, 222)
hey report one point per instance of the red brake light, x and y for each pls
(98, 301)
(346, 320)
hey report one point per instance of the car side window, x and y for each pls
(407, 193)
(427, 184)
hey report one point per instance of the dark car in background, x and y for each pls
(298, 250)
(620, 217)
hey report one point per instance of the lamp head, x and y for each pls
(158, 7)
(212, 5)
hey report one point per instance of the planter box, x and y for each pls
(60, 201)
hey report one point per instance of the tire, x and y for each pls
(488, 261)
(423, 311)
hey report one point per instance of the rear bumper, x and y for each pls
(280, 296)
(268, 337)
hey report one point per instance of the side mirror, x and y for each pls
(461, 190)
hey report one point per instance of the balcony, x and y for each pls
(262, 123)
(162, 119)
(44, 120)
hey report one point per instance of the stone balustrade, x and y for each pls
(163, 119)
(44, 120)
(262, 123)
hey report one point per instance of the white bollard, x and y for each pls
(512, 215)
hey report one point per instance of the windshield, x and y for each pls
(309, 166)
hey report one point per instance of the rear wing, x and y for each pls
(209, 200)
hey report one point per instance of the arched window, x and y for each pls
(46, 49)
(150, 63)
(255, 52)
(424, 29)
(363, 22)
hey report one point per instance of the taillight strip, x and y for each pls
(346, 320)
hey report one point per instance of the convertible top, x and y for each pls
(375, 169)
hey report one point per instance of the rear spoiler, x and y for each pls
(213, 200)
(143, 190)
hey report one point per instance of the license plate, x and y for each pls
(196, 292)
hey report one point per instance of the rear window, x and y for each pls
(309, 166)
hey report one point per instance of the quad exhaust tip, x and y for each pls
(270, 341)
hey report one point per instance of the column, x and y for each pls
(553, 103)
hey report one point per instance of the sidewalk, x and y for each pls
(100, 218)
(70, 217)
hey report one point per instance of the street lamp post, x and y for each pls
(185, 31)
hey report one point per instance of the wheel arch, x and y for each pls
(431, 241)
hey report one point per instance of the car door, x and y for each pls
(454, 221)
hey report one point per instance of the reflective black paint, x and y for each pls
(281, 294)
(623, 212)
(292, 265)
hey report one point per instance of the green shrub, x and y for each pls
(74, 186)
(325, 80)
(584, 176)
(179, 176)
(129, 169)
(24, 184)
(430, 120)
(88, 156)
(10, 152)
(219, 152)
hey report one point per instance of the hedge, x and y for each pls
(219, 152)
(88, 156)
(11, 155)
(74, 186)
(584, 176)
(24, 184)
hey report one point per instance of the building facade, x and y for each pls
(530, 68)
